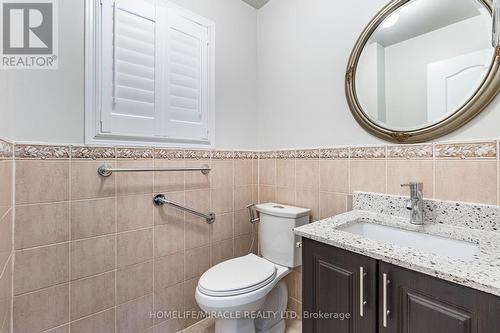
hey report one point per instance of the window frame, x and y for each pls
(93, 84)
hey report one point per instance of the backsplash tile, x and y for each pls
(410, 151)
(41, 151)
(367, 152)
(93, 153)
(487, 149)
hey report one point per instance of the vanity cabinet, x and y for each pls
(412, 302)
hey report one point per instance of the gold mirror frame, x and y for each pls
(479, 100)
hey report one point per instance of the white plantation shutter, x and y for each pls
(157, 63)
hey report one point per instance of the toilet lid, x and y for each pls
(237, 276)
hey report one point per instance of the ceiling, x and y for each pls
(256, 3)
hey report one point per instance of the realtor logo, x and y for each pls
(29, 34)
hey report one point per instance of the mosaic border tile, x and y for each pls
(134, 153)
(286, 154)
(93, 153)
(333, 153)
(268, 155)
(367, 152)
(43, 152)
(308, 153)
(197, 154)
(6, 149)
(222, 154)
(486, 149)
(243, 155)
(424, 151)
(169, 154)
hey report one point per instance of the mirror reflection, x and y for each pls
(424, 62)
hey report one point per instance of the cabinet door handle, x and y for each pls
(385, 311)
(362, 301)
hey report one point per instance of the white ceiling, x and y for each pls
(256, 3)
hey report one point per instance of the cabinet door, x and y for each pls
(418, 303)
(338, 282)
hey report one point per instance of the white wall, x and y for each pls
(303, 49)
(48, 106)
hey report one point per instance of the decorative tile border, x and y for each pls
(245, 155)
(93, 153)
(198, 154)
(222, 155)
(268, 155)
(308, 154)
(410, 152)
(486, 149)
(169, 154)
(367, 152)
(134, 153)
(6, 149)
(42, 152)
(286, 154)
(333, 153)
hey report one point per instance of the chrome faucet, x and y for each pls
(416, 202)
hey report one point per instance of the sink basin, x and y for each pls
(417, 240)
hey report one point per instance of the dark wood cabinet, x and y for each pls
(336, 283)
(413, 302)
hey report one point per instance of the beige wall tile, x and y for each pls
(169, 238)
(243, 196)
(222, 200)
(168, 214)
(285, 196)
(267, 172)
(309, 199)
(41, 310)
(41, 267)
(307, 173)
(222, 251)
(134, 247)
(92, 256)
(242, 225)
(5, 238)
(222, 174)
(197, 180)
(6, 181)
(405, 171)
(86, 184)
(468, 180)
(42, 181)
(169, 299)
(197, 233)
(285, 173)
(223, 227)
(134, 182)
(92, 218)
(41, 224)
(198, 263)
(267, 194)
(242, 245)
(172, 325)
(332, 204)
(291, 283)
(169, 270)
(103, 322)
(169, 181)
(243, 172)
(91, 295)
(255, 171)
(134, 281)
(368, 176)
(189, 287)
(198, 200)
(334, 176)
(134, 212)
(133, 317)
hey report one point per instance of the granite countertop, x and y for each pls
(482, 272)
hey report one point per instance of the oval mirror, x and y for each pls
(423, 68)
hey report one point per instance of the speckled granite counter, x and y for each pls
(482, 272)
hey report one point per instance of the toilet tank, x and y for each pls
(277, 241)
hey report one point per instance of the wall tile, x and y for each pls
(222, 174)
(134, 247)
(267, 172)
(133, 317)
(167, 214)
(87, 184)
(242, 225)
(92, 256)
(285, 196)
(332, 204)
(134, 281)
(243, 245)
(198, 263)
(307, 173)
(222, 251)
(169, 181)
(91, 295)
(103, 322)
(169, 299)
(368, 176)
(92, 218)
(134, 212)
(169, 238)
(243, 196)
(6, 182)
(197, 233)
(309, 199)
(334, 176)
(223, 227)
(41, 310)
(285, 173)
(34, 177)
(467, 180)
(405, 171)
(222, 200)
(243, 172)
(41, 267)
(197, 180)
(169, 270)
(267, 194)
(134, 182)
(5, 238)
(41, 224)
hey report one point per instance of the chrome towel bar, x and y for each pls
(106, 170)
(160, 200)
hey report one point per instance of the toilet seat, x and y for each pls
(237, 276)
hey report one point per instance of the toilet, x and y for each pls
(246, 294)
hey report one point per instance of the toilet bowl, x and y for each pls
(246, 294)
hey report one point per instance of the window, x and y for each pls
(149, 74)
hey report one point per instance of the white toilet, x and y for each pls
(234, 291)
